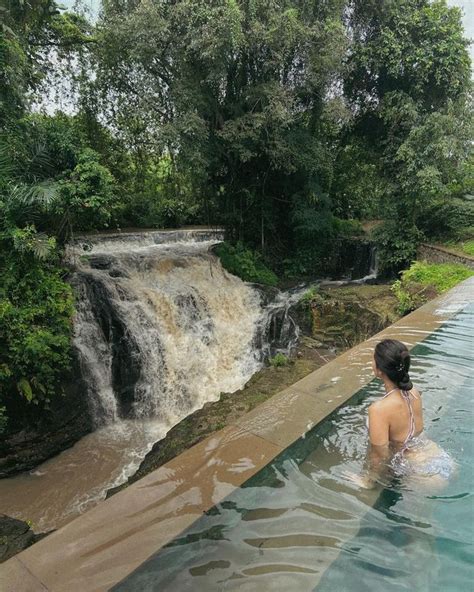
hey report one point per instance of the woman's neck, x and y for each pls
(389, 385)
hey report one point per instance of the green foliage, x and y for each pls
(35, 302)
(279, 360)
(409, 81)
(26, 241)
(442, 276)
(310, 294)
(413, 287)
(245, 264)
(35, 326)
(55, 151)
(3, 419)
(28, 33)
(59, 137)
(447, 218)
(239, 90)
(407, 301)
(412, 45)
(358, 188)
(347, 228)
(87, 197)
(468, 247)
(164, 197)
(396, 245)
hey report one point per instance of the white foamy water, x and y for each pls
(187, 324)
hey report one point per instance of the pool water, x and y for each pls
(299, 524)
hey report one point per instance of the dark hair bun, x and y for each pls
(405, 384)
(393, 358)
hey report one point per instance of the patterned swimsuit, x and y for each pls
(440, 463)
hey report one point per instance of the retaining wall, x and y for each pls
(436, 254)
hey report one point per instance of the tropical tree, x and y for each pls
(408, 85)
(236, 93)
(35, 37)
(35, 302)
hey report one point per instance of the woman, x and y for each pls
(397, 443)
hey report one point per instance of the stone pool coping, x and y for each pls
(101, 547)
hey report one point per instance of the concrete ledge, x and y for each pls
(104, 545)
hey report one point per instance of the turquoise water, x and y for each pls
(299, 525)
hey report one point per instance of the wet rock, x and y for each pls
(267, 293)
(15, 535)
(100, 261)
(126, 359)
(341, 317)
(36, 434)
(301, 313)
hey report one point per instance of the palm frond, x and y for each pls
(40, 195)
(42, 246)
(26, 204)
(39, 162)
(6, 168)
(27, 240)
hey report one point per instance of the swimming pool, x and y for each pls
(298, 525)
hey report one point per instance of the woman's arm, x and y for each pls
(378, 426)
(378, 450)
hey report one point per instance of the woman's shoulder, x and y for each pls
(386, 404)
(379, 407)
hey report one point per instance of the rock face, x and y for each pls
(40, 434)
(126, 359)
(342, 317)
(15, 536)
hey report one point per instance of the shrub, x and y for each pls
(423, 280)
(347, 228)
(87, 197)
(311, 293)
(396, 245)
(245, 264)
(442, 276)
(447, 218)
(279, 360)
(36, 308)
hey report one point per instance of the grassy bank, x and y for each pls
(423, 281)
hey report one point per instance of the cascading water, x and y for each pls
(373, 267)
(161, 329)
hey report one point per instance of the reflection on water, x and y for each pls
(297, 525)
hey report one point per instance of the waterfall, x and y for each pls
(161, 328)
(373, 266)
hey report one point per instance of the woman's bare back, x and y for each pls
(396, 408)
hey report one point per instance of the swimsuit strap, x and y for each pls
(407, 396)
(390, 392)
